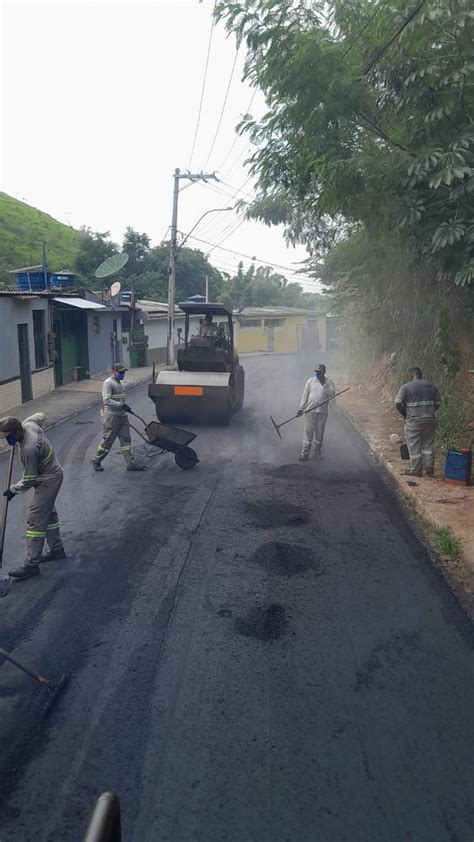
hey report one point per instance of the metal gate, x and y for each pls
(25, 366)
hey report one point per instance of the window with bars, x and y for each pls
(274, 322)
(250, 324)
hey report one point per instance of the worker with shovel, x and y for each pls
(317, 390)
(418, 401)
(43, 473)
(115, 422)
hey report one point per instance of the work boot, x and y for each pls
(53, 555)
(429, 472)
(410, 473)
(96, 465)
(317, 453)
(24, 571)
(135, 467)
(303, 459)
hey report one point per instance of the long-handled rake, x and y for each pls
(5, 580)
(277, 426)
(53, 689)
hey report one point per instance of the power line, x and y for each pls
(226, 96)
(238, 189)
(373, 61)
(217, 223)
(254, 259)
(231, 230)
(203, 87)
(237, 136)
(238, 162)
(367, 23)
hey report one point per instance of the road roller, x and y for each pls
(208, 382)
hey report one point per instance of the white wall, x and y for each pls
(157, 332)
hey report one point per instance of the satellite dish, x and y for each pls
(115, 289)
(112, 265)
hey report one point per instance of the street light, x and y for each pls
(213, 210)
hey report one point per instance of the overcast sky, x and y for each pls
(99, 106)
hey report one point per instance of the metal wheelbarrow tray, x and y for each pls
(170, 440)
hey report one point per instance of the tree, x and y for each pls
(94, 248)
(137, 246)
(356, 114)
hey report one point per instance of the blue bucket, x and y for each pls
(457, 467)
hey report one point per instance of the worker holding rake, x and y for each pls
(317, 390)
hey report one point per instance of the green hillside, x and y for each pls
(22, 231)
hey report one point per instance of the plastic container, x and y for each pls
(62, 279)
(457, 467)
(31, 281)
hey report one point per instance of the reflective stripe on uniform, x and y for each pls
(420, 403)
(53, 525)
(31, 534)
(29, 476)
(126, 447)
(48, 457)
(103, 449)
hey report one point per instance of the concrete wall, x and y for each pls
(10, 396)
(43, 381)
(298, 333)
(100, 343)
(15, 311)
(286, 339)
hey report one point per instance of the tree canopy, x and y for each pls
(147, 271)
(365, 154)
(369, 120)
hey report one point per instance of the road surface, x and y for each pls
(258, 649)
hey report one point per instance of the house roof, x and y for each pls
(80, 303)
(270, 312)
(153, 309)
(45, 293)
(200, 308)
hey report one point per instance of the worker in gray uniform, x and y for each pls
(418, 401)
(318, 388)
(41, 471)
(115, 422)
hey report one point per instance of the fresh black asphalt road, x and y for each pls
(258, 650)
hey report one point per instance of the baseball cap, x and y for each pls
(119, 367)
(8, 425)
(321, 367)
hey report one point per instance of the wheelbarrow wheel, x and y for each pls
(186, 458)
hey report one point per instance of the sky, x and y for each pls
(100, 104)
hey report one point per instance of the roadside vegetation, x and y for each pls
(447, 544)
(365, 155)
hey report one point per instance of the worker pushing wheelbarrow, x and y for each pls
(169, 440)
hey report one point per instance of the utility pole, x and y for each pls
(170, 356)
(207, 289)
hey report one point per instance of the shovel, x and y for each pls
(277, 426)
(5, 580)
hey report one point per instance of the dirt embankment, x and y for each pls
(441, 505)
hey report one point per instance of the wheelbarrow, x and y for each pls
(169, 440)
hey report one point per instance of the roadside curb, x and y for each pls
(459, 576)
